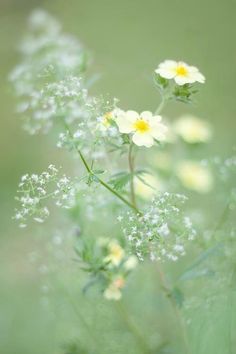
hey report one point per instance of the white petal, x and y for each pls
(182, 80)
(158, 131)
(168, 64)
(182, 63)
(197, 76)
(132, 116)
(146, 115)
(125, 125)
(143, 139)
(155, 119)
(193, 69)
(167, 73)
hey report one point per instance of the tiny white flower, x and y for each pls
(181, 72)
(144, 127)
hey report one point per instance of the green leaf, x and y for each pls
(161, 82)
(99, 172)
(120, 180)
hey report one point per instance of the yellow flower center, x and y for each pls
(181, 70)
(141, 126)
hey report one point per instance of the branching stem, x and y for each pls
(98, 179)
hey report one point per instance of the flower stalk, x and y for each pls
(98, 179)
(132, 172)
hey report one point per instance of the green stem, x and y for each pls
(80, 317)
(131, 168)
(144, 349)
(169, 296)
(161, 105)
(222, 219)
(103, 183)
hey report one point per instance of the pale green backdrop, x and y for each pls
(127, 39)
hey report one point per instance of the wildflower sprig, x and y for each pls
(162, 231)
(35, 189)
(177, 80)
(52, 86)
(107, 263)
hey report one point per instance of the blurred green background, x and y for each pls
(127, 40)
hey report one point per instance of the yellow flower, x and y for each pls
(113, 291)
(146, 187)
(116, 253)
(194, 176)
(181, 72)
(144, 127)
(193, 130)
(106, 120)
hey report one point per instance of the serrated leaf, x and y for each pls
(119, 180)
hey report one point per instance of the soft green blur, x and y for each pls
(127, 39)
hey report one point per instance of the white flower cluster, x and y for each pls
(46, 81)
(34, 189)
(161, 231)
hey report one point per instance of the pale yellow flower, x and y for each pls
(193, 130)
(181, 72)
(194, 176)
(144, 127)
(106, 120)
(113, 291)
(116, 253)
(146, 187)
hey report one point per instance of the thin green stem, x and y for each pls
(80, 317)
(143, 346)
(222, 219)
(131, 168)
(103, 183)
(169, 296)
(161, 105)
